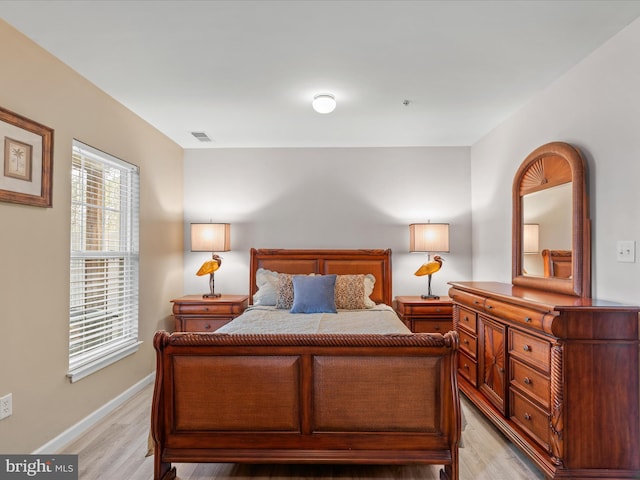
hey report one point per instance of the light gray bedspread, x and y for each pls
(381, 319)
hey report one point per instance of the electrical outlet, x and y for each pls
(6, 406)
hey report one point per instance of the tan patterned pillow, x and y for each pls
(350, 292)
(284, 294)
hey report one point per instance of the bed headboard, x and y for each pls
(340, 262)
(557, 263)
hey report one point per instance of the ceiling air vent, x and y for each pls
(201, 136)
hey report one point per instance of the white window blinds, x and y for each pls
(103, 313)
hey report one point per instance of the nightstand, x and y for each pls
(193, 313)
(421, 315)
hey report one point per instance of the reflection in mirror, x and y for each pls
(546, 215)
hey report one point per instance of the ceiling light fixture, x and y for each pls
(324, 103)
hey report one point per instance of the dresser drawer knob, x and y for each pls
(526, 348)
(465, 341)
(438, 309)
(527, 319)
(207, 327)
(466, 366)
(527, 416)
(437, 328)
(489, 307)
(527, 380)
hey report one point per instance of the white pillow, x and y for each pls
(267, 282)
(369, 281)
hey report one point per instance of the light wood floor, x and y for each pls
(116, 448)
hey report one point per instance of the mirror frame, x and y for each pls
(580, 282)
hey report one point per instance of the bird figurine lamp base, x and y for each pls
(213, 294)
(210, 267)
(429, 268)
(429, 295)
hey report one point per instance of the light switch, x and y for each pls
(626, 251)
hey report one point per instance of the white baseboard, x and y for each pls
(74, 432)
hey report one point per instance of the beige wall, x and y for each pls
(34, 247)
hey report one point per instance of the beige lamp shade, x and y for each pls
(531, 238)
(210, 237)
(429, 237)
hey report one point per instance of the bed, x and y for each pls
(317, 396)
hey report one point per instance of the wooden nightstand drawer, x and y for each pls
(429, 310)
(204, 324)
(199, 309)
(530, 349)
(431, 326)
(226, 305)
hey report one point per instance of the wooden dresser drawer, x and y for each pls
(465, 298)
(468, 368)
(528, 380)
(204, 324)
(531, 418)
(526, 316)
(530, 349)
(467, 319)
(469, 344)
(431, 326)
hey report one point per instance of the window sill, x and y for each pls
(86, 370)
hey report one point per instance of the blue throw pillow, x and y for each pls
(314, 294)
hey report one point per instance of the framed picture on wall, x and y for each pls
(27, 166)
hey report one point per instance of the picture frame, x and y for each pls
(26, 170)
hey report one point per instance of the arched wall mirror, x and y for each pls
(551, 229)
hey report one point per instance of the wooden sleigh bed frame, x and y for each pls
(308, 398)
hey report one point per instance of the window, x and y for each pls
(103, 312)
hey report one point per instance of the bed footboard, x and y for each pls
(369, 399)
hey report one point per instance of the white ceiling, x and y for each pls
(245, 72)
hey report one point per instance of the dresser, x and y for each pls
(425, 315)
(557, 374)
(193, 313)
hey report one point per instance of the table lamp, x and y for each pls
(210, 237)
